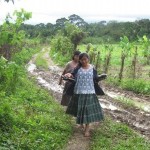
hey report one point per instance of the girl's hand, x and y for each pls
(68, 75)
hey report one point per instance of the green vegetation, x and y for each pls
(12, 39)
(129, 103)
(61, 46)
(29, 117)
(134, 73)
(126, 102)
(117, 136)
(65, 43)
(97, 33)
(40, 60)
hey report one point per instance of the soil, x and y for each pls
(136, 118)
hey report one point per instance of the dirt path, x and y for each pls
(136, 118)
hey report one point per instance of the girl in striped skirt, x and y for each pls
(84, 104)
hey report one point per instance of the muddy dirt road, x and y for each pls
(136, 118)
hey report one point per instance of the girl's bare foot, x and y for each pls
(87, 131)
(81, 127)
(87, 134)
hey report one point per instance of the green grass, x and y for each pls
(59, 59)
(40, 60)
(31, 120)
(129, 103)
(140, 84)
(117, 136)
(126, 102)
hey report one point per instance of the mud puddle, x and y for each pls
(138, 102)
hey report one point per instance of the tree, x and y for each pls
(77, 20)
(126, 47)
(145, 42)
(74, 33)
(11, 38)
(60, 23)
(76, 37)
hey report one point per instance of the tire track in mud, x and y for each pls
(137, 119)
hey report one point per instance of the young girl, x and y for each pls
(69, 68)
(84, 104)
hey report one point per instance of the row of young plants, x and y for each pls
(122, 69)
(29, 117)
(125, 63)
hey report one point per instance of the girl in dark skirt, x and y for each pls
(84, 104)
(69, 68)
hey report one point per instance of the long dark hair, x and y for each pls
(81, 56)
(76, 53)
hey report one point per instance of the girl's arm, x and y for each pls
(72, 74)
(97, 77)
(64, 72)
(60, 79)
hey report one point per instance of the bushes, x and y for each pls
(93, 40)
(137, 85)
(9, 76)
(6, 117)
(61, 49)
(24, 55)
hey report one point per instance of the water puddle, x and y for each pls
(144, 105)
(31, 67)
(55, 69)
(107, 105)
(112, 94)
(50, 86)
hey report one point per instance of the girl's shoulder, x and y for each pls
(69, 63)
(92, 66)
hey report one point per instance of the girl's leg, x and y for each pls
(81, 126)
(87, 130)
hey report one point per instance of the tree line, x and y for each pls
(106, 31)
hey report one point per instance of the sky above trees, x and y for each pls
(44, 11)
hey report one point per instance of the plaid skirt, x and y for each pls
(86, 108)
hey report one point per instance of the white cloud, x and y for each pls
(90, 10)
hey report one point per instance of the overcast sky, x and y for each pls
(44, 11)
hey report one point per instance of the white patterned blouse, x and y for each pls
(84, 81)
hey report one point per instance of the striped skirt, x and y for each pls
(86, 108)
